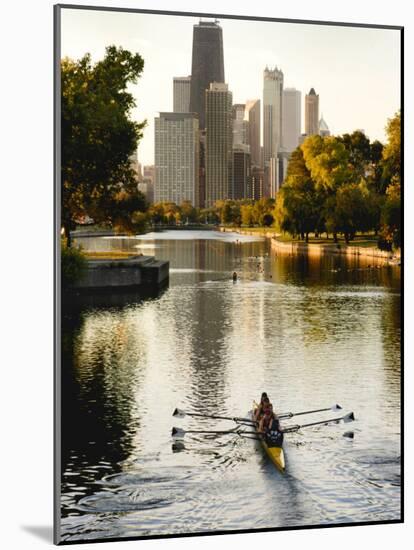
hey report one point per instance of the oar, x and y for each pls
(290, 414)
(179, 432)
(347, 418)
(179, 413)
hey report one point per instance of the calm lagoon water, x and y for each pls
(310, 332)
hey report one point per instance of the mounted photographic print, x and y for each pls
(228, 274)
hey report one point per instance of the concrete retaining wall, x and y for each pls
(327, 249)
(124, 274)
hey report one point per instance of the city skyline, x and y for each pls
(359, 71)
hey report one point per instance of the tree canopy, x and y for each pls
(344, 184)
(98, 139)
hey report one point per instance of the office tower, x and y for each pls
(219, 143)
(207, 64)
(272, 112)
(256, 183)
(181, 94)
(241, 172)
(240, 125)
(146, 186)
(252, 115)
(291, 118)
(176, 158)
(323, 128)
(311, 113)
(272, 127)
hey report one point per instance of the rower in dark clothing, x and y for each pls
(273, 433)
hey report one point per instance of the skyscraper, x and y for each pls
(219, 142)
(291, 118)
(311, 113)
(323, 128)
(272, 112)
(252, 114)
(181, 94)
(241, 172)
(272, 127)
(207, 64)
(176, 158)
(240, 125)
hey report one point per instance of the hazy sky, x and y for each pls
(355, 71)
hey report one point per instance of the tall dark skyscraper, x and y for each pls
(207, 64)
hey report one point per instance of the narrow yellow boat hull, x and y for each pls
(276, 454)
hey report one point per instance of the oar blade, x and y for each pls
(336, 407)
(179, 413)
(177, 432)
(349, 418)
(348, 435)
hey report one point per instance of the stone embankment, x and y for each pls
(315, 249)
(125, 274)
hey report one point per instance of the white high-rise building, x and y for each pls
(176, 158)
(219, 142)
(181, 94)
(240, 125)
(272, 112)
(291, 118)
(272, 127)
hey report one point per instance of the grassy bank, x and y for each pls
(364, 241)
(115, 255)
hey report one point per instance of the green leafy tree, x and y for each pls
(352, 210)
(156, 213)
(236, 213)
(390, 234)
(359, 152)
(247, 214)
(391, 155)
(172, 213)
(299, 205)
(225, 212)
(188, 212)
(98, 139)
(328, 162)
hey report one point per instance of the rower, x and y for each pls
(266, 419)
(264, 402)
(274, 434)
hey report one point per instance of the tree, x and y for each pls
(328, 162)
(391, 155)
(224, 208)
(188, 212)
(247, 215)
(359, 152)
(98, 139)
(391, 217)
(352, 210)
(299, 204)
(156, 213)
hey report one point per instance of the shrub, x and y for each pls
(73, 265)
